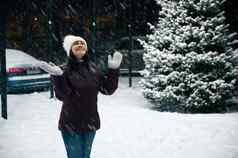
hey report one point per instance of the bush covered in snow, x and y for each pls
(188, 58)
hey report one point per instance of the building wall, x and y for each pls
(28, 23)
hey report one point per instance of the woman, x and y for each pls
(77, 85)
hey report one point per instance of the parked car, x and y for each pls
(23, 75)
(123, 45)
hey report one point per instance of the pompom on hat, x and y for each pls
(69, 40)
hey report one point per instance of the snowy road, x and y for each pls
(129, 129)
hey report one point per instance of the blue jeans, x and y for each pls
(78, 145)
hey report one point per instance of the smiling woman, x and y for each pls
(79, 48)
(77, 85)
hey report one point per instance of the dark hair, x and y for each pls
(73, 62)
(71, 55)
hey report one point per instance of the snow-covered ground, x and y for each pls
(129, 129)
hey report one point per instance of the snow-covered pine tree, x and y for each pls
(188, 58)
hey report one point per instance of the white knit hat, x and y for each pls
(69, 40)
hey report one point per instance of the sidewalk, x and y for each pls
(129, 129)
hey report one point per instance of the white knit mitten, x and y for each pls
(51, 68)
(115, 61)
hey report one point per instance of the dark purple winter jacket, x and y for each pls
(78, 89)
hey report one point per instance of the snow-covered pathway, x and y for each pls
(129, 129)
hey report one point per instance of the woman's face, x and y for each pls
(79, 48)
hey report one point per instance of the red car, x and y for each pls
(23, 74)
